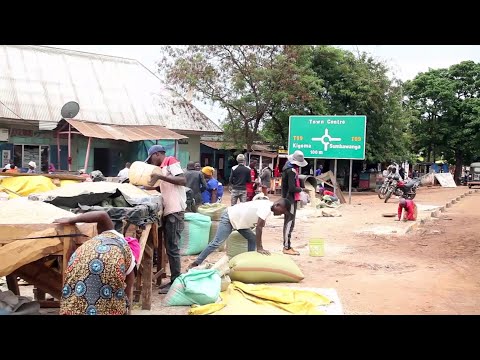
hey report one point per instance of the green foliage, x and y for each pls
(447, 108)
(260, 86)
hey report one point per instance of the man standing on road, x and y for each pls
(242, 217)
(291, 190)
(410, 209)
(174, 205)
(239, 178)
(266, 178)
(196, 182)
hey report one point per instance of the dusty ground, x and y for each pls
(375, 266)
(431, 270)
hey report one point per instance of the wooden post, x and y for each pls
(12, 284)
(143, 241)
(68, 249)
(58, 151)
(147, 276)
(161, 258)
(69, 147)
(87, 155)
(38, 294)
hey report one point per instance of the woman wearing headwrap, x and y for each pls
(101, 272)
(214, 191)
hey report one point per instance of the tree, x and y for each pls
(242, 79)
(447, 105)
(360, 85)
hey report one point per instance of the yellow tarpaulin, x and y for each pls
(26, 185)
(249, 299)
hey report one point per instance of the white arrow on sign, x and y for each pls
(326, 143)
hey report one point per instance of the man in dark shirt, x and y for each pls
(239, 177)
(291, 190)
(196, 182)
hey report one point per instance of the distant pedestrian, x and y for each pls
(196, 182)
(239, 178)
(266, 178)
(32, 166)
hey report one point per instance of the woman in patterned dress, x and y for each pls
(100, 272)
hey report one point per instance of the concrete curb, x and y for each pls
(436, 213)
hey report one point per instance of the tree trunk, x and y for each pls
(458, 166)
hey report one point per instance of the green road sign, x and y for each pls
(328, 137)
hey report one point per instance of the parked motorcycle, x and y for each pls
(407, 190)
(384, 188)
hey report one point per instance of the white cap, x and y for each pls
(32, 164)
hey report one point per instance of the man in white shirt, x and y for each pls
(174, 199)
(243, 217)
(123, 174)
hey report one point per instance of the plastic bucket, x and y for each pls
(139, 173)
(316, 247)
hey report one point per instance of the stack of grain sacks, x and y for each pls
(215, 212)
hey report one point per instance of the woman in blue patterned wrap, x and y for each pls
(100, 273)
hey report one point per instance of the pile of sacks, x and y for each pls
(11, 304)
(202, 285)
(200, 229)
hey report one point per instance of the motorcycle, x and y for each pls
(384, 188)
(407, 190)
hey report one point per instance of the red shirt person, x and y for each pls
(410, 208)
(251, 186)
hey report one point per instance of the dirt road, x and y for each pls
(432, 270)
(375, 266)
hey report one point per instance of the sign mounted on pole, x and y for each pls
(328, 137)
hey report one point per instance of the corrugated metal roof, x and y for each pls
(265, 154)
(261, 147)
(36, 81)
(126, 132)
(218, 145)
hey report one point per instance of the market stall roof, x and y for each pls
(264, 154)
(128, 133)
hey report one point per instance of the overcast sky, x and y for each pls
(406, 61)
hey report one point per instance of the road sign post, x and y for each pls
(329, 137)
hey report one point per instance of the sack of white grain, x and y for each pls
(236, 244)
(214, 211)
(194, 237)
(213, 232)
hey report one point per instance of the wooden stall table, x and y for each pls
(38, 254)
(37, 251)
(142, 290)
